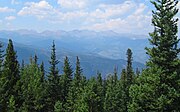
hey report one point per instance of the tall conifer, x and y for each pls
(10, 76)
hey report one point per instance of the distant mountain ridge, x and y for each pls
(107, 44)
(90, 64)
(98, 51)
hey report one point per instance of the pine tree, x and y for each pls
(129, 69)
(164, 51)
(100, 92)
(22, 65)
(11, 105)
(124, 90)
(58, 107)
(35, 59)
(10, 76)
(53, 89)
(76, 88)
(32, 89)
(159, 84)
(66, 80)
(1, 58)
(78, 74)
(53, 74)
(90, 100)
(42, 72)
(112, 101)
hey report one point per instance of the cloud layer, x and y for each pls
(124, 16)
(6, 9)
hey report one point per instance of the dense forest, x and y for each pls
(28, 88)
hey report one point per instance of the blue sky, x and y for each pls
(122, 16)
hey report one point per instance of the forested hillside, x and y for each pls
(26, 88)
(90, 63)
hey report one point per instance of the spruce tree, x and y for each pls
(112, 101)
(159, 83)
(1, 58)
(1, 72)
(66, 80)
(124, 90)
(115, 75)
(42, 72)
(129, 69)
(35, 59)
(164, 51)
(32, 89)
(53, 74)
(53, 89)
(10, 77)
(100, 91)
(78, 74)
(76, 88)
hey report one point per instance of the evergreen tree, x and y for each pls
(22, 65)
(58, 107)
(66, 80)
(42, 72)
(76, 88)
(1, 58)
(53, 62)
(89, 101)
(144, 92)
(115, 75)
(32, 89)
(10, 77)
(129, 69)
(161, 78)
(100, 92)
(164, 51)
(112, 101)
(11, 105)
(78, 74)
(35, 59)
(53, 89)
(124, 91)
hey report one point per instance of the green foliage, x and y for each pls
(58, 107)
(144, 93)
(11, 105)
(156, 89)
(53, 85)
(9, 77)
(129, 69)
(32, 89)
(112, 101)
(66, 80)
(158, 86)
(1, 58)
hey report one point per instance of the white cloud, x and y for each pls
(72, 4)
(129, 16)
(40, 9)
(135, 21)
(105, 11)
(43, 10)
(10, 18)
(6, 9)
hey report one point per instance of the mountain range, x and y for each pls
(98, 51)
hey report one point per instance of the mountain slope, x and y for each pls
(104, 44)
(90, 63)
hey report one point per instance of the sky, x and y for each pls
(121, 16)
